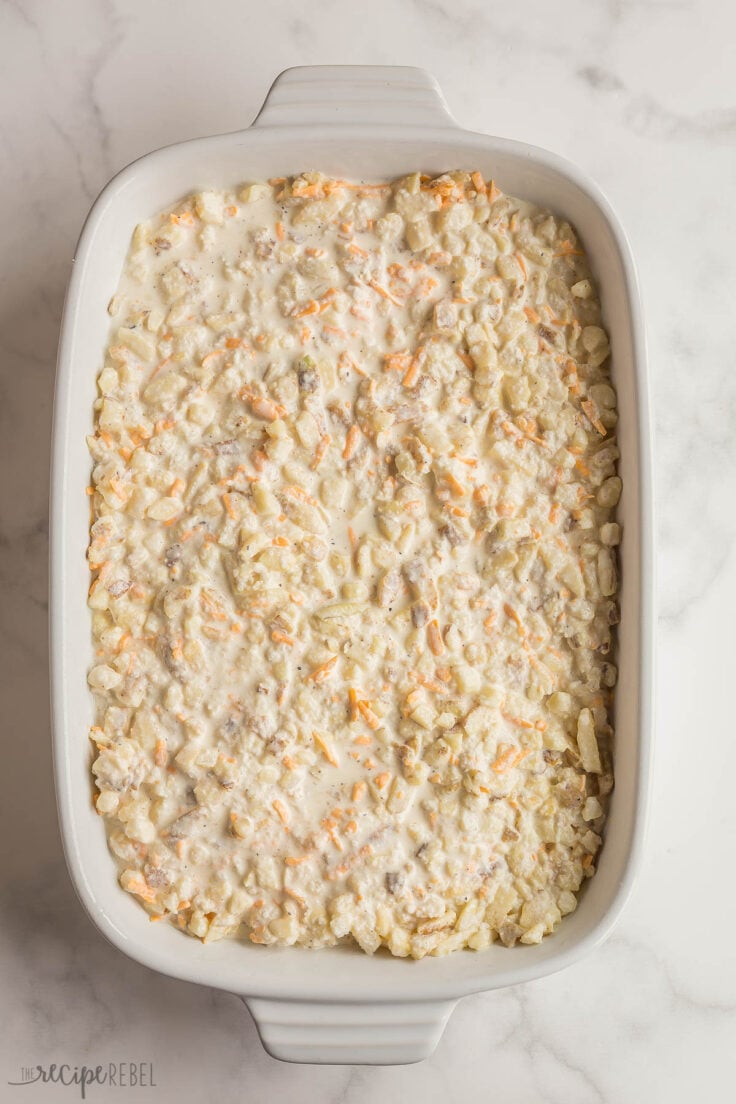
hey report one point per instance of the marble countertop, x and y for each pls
(641, 94)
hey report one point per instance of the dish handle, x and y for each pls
(346, 1034)
(354, 94)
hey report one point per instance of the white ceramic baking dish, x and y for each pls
(340, 1005)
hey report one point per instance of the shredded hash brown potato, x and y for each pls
(354, 569)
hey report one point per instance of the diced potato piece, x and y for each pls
(588, 743)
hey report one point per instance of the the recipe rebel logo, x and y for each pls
(117, 1075)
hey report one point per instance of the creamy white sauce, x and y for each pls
(354, 580)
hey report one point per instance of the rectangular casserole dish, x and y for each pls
(340, 1005)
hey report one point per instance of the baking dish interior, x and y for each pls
(367, 153)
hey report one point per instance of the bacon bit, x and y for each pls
(368, 715)
(282, 638)
(326, 748)
(281, 812)
(382, 779)
(351, 442)
(434, 638)
(319, 674)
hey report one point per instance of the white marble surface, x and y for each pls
(642, 94)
